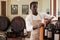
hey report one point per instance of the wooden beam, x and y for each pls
(50, 7)
(54, 7)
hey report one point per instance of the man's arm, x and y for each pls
(49, 17)
(29, 25)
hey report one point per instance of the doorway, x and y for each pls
(3, 8)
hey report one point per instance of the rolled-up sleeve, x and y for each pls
(47, 16)
(29, 26)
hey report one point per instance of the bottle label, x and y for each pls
(56, 36)
(25, 32)
(49, 34)
(46, 32)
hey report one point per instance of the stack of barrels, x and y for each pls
(4, 24)
(12, 30)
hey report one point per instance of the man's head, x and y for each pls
(33, 7)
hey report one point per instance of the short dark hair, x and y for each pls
(33, 3)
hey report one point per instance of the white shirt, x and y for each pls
(30, 17)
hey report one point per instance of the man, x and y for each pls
(35, 20)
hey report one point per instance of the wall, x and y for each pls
(19, 3)
(59, 7)
(42, 6)
(59, 4)
(45, 5)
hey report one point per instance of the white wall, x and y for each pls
(43, 5)
(59, 4)
(0, 7)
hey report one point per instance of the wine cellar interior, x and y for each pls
(13, 15)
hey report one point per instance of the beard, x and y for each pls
(35, 13)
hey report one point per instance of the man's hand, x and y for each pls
(52, 17)
(49, 20)
(41, 25)
(38, 26)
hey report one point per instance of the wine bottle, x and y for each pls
(53, 29)
(56, 34)
(46, 33)
(49, 34)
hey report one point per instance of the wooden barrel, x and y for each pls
(4, 23)
(18, 25)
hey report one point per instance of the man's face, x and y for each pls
(34, 8)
